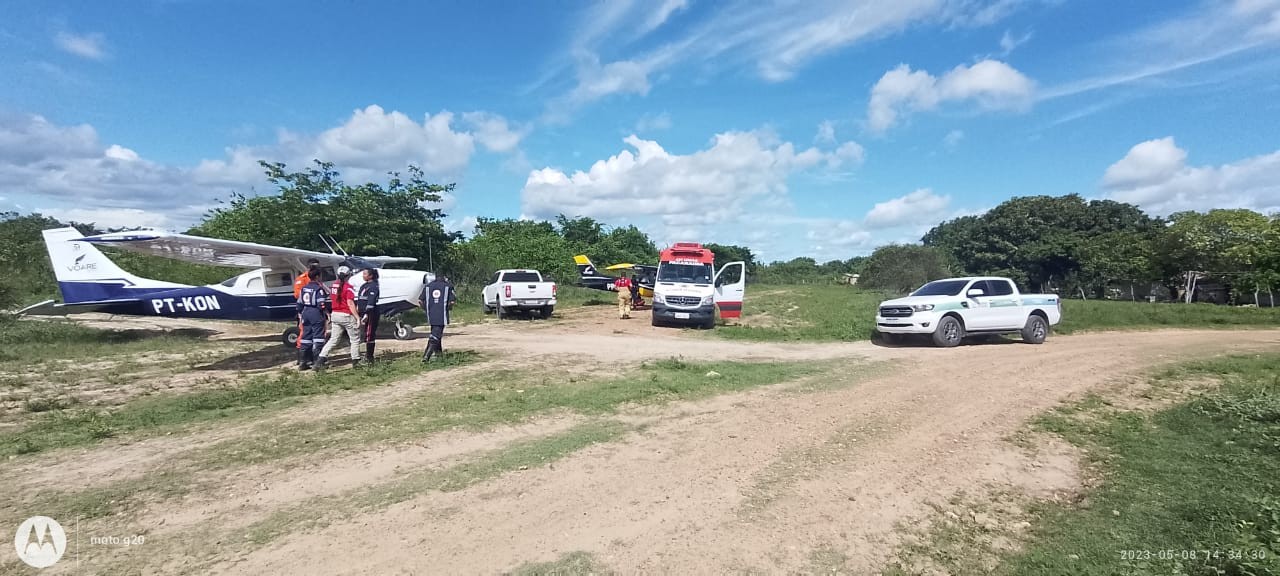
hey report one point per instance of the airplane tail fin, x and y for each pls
(85, 274)
(585, 267)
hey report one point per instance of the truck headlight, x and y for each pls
(658, 299)
(709, 301)
(922, 307)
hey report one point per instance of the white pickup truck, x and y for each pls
(952, 308)
(519, 291)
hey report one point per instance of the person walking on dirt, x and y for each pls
(343, 318)
(367, 302)
(623, 286)
(302, 280)
(312, 298)
(437, 301)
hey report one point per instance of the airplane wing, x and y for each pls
(216, 251)
(621, 267)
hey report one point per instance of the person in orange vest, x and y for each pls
(298, 283)
(623, 286)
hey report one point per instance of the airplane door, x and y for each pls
(731, 288)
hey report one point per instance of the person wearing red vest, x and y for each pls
(342, 318)
(623, 286)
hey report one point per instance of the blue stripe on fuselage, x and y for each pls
(188, 302)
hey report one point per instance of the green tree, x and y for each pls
(733, 253)
(367, 219)
(510, 243)
(1230, 246)
(1118, 258)
(1037, 240)
(901, 268)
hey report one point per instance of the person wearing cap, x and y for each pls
(342, 318)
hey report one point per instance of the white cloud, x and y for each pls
(826, 133)
(682, 195)
(370, 143)
(1155, 176)
(621, 77)
(91, 46)
(109, 217)
(654, 123)
(1213, 32)
(918, 208)
(67, 167)
(774, 38)
(493, 131)
(1009, 42)
(1149, 162)
(991, 84)
(953, 138)
(658, 17)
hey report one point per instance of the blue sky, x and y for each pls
(821, 127)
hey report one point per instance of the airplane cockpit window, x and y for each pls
(254, 284)
(279, 279)
(230, 282)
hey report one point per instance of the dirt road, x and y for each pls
(770, 480)
(828, 473)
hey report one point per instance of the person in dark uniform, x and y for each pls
(367, 304)
(437, 300)
(311, 309)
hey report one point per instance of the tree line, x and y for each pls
(1097, 248)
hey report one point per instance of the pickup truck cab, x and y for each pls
(950, 309)
(519, 291)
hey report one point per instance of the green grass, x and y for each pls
(24, 342)
(834, 313)
(505, 397)
(1203, 475)
(1079, 315)
(805, 313)
(523, 455)
(483, 401)
(167, 412)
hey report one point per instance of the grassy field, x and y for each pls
(167, 412)
(1192, 489)
(830, 313)
(27, 342)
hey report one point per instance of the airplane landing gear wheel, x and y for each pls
(404, 331)
(290, 337)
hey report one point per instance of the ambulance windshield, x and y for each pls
(685, 273)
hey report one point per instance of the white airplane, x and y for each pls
(91, 282)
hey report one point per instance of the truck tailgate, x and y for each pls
(534, 293)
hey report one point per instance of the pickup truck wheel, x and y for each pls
(949, 332)
(889, 339)
(547, 311)
(498, 310)
(1035, 331)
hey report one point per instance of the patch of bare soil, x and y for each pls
(761, 481)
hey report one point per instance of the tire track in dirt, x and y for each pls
(685, 495)
(121, 460)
